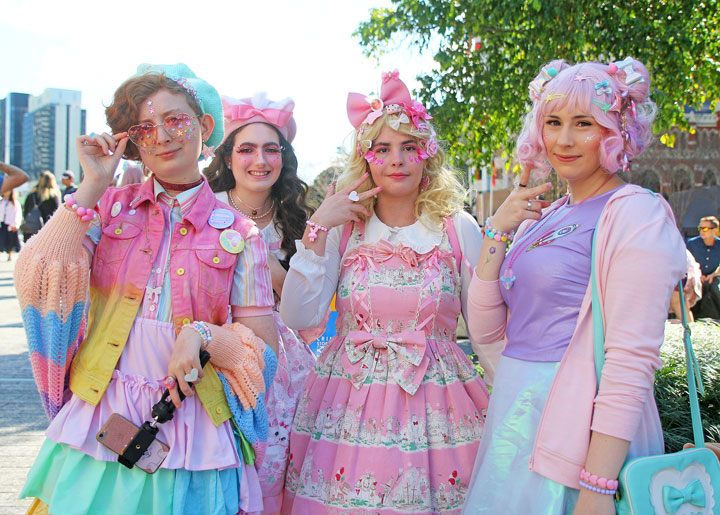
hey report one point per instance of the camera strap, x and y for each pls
(162, 411)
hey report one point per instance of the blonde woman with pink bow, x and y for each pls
(391, 415)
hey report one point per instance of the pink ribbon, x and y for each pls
(417, 112)
(406, 360)
(385, 250)
(243, 112)
(360, 108)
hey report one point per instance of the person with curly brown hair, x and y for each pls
(172, 272)
(255, 172)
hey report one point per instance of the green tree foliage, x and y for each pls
(479, 95)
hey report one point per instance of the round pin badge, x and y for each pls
(115, 209)
(231, 241)
(221, 218)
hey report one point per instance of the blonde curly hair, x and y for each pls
(444, 195)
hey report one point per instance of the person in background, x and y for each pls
(131, 175)
(46, 196)
(10, 218)
(68, 180)
(706, 251)
(11, 177)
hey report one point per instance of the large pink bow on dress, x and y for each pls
(363, 109)
(406, 360)
(384, 250)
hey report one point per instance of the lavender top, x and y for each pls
(552, 274)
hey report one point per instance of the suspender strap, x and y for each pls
(454, 243)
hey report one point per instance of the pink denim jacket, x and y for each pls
(640, 257)
(201, 276)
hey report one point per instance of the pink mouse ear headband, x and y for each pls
(240, 112)
(394, 99)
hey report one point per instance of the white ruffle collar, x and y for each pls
(417, 236)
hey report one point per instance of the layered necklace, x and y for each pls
(253, 210)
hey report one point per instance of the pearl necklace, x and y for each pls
(254, 210)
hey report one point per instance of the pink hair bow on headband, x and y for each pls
(259, 108)
(363, 109)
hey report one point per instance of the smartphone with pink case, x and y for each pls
(118, 432)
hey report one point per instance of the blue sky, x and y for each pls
(302, 50)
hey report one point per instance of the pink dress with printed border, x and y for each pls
(392, 414)
(295, 360)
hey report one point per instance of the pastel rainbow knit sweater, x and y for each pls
(51, 277)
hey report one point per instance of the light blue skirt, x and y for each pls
(502, 482)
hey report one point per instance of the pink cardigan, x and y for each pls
(640, 257)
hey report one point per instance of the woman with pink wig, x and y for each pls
(554, 442)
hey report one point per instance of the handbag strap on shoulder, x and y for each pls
(693, 371)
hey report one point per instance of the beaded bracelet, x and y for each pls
(599, 482)
(203, 330)
(314, 228)
(597, 489)
(85, 214)
(496, 235)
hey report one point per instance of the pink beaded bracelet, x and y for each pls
(496, 235)
(599, 482)
(314, 228)
(85, 214)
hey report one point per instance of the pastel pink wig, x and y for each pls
(577, 96)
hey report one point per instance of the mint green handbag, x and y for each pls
(682, 483)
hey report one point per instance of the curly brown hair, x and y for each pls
(289, 192)
(123, 113)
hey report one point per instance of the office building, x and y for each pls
(12, 110)
(53, 121)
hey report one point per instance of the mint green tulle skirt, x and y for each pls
(71, 482)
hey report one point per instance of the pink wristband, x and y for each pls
(314, 228)
(85, 214)
(598, 482)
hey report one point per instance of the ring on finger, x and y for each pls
(169, 382)
(529, 205)
(192, 375)
(353, 196)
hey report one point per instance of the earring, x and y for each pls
(208, 152)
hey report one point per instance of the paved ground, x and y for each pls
(22, 419)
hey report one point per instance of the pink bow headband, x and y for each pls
(238, 113)
(394, 98)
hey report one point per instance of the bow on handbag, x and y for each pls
(693, 493)
(405, 357)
